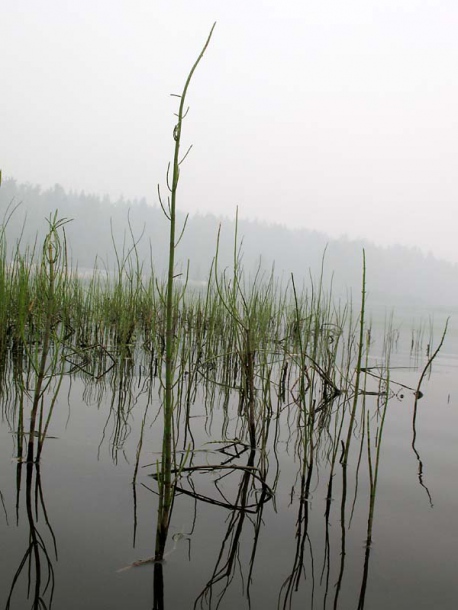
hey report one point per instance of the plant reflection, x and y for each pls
(229, 554)
(36, 560)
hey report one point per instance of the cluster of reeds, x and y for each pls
(275, 359)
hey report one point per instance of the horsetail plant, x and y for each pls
(172, 299)
(51, 281)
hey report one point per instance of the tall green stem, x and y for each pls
(166, 487)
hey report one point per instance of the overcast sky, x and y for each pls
(339, 116)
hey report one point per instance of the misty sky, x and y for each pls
(340, 116)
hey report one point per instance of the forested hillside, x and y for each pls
(102, 231)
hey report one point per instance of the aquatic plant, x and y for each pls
(44, 355)
(172, 298)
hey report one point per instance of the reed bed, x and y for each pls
(278, 341)
(273, 346)
(258, 365)
(262, 364)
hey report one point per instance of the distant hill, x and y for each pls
(395, 275)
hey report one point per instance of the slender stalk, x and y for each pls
(166, 487)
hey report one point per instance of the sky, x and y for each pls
(335, 116)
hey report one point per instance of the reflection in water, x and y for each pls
(158, 602)
(229, 554)
(2, 499)
(36, 561)
(418, 395)
(303, 407)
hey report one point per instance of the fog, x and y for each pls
(338, 117)
(133, 236)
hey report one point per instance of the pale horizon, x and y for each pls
(330, 117)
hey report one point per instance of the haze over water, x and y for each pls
(339, 117)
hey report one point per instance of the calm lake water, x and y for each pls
(283, 551)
